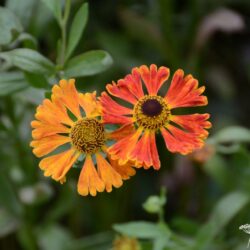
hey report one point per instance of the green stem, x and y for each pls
(63, 26)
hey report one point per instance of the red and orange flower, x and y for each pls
(150, 113)
(70, 122)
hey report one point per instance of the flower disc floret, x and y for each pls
(88, 135)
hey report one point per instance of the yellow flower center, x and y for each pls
(151, 112)
(88, 135)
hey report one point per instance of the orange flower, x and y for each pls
(60, 122)
(150, 112)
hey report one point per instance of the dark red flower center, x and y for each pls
(151, 107)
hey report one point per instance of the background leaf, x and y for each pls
(29, 60)
(77, 28)
(89, 63)
(223, 212)
(55, 7)
(11, 82)
(9, 24)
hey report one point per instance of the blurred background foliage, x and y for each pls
(208, 192)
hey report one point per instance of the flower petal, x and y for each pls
(184, 92)
(89, 104)
(42, 129)
(89, 181)
(123, 131)
(141, 153)
(195, 123)
(47, 144)
(179, 141)
(133, 81)
(121, 90)
(125, 170)
(122, 148)
(67, 94)
(154, 152)
(58, 165)
(108, 174)
(154, 78)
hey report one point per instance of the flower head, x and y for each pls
(71, 119)
(150, 113)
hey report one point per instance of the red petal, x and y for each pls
(195, 123)
(121, 90)
(154, 78)
(184, 92)
(179, 141)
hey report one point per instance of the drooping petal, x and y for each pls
(141, 153)
(184, 92)
(107, 173)
(121, 149)
(67, 93)
(179, 141)
(58, 165)
(122, 132)
(47, 144)
(195, 123)
(154, 78)
(89, 181)
(89, 104)
(121, 90)
(154, 152)
(125, 171)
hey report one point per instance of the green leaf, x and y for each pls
(8, 197)
(223, 212)
(53, 237)
(89, 63)
(77, 28)
(9, 25)
(55, 7)
(36, 81)
(11, 82)
(140, 229)
(29, 60)
(233, 134)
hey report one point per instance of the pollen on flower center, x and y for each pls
(151, 112)
(88, 135)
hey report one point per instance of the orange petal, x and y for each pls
(108, 174)
(125, 171)
(195, 123)
(121, 149)
(154, 78)
(43, 130)
(121, 90)
(122, 132)
(53, 113)
(48, 144)
(67, 94)
(184, 91)
(89, 104)
(141, 153)
(179, 141)
(154, 152)
(89, 182)
(58, 165)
